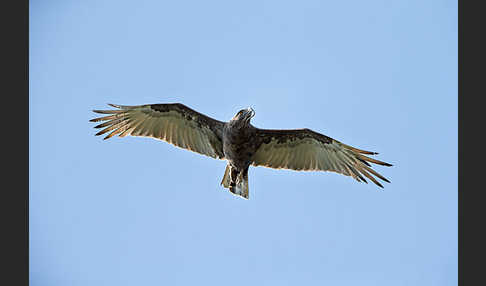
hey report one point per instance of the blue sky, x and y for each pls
(377, 75)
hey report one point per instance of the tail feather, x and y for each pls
(241, 188)
(226, 178)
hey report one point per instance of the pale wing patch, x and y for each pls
(298, 154)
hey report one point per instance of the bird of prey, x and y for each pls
(239, 143)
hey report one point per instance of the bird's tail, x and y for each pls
(238, 188)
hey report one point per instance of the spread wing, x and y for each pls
(174, 123)
(306, 150)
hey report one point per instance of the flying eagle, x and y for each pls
(239, 142)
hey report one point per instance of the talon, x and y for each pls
(232, 187)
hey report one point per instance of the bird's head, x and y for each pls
(244, 116)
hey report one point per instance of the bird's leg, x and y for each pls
(233, 177)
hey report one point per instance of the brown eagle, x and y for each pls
(239, 142)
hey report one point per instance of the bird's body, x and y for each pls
(238, 142)
(238, 149)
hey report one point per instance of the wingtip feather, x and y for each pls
(100, 133)
(114, 105)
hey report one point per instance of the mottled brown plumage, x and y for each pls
(239, 142)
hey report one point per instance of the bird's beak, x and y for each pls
(251, 112)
